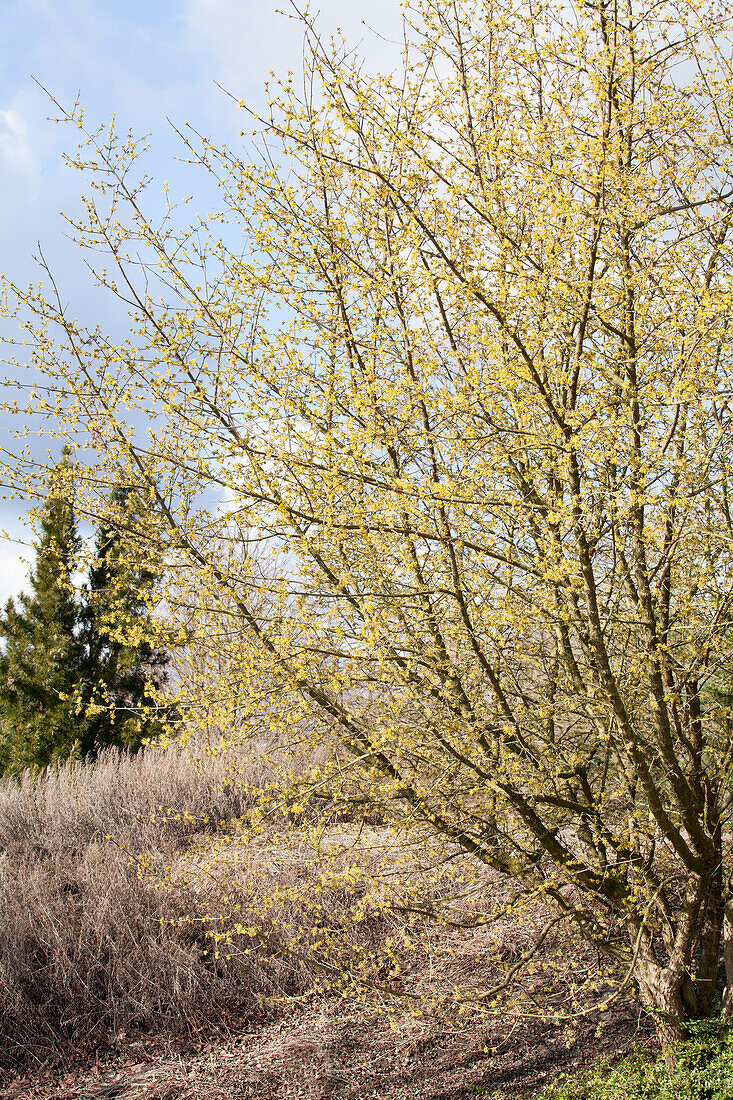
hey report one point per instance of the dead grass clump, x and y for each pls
(89, 945)
(157, 795)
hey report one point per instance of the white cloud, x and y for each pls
(15, 145)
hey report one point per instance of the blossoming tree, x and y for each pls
(456, 349)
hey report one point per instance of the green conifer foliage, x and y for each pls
(123, 668)
(40, 659)
(80, 668)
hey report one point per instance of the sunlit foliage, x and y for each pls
(454, 355)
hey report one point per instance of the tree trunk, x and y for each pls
(727, 1007)
(711, 938)
(660, 992)
(683, 988)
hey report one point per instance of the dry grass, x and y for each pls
(87, 947)
(74, 804)
(116, 879)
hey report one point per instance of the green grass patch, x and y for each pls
(703, 1070)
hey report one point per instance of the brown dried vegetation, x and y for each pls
(108, 902)
(87, 947)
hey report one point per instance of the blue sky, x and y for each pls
(145, 62)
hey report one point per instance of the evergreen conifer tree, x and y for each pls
(122, 667)
(40, 659)
(79, 670)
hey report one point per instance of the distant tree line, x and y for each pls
(80, 667)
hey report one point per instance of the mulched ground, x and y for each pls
(334, 1052)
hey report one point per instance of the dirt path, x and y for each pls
(329, 1053)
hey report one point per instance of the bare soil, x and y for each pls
(331, 1052)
